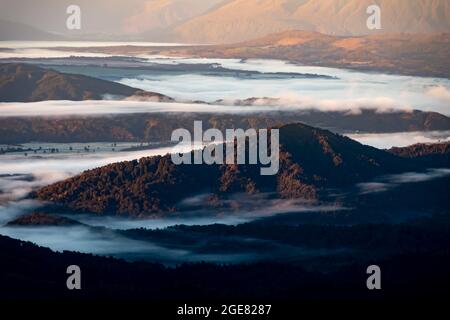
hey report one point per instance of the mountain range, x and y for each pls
(228, 21)
(239, 20)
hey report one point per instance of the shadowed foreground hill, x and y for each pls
(31, 272)
(311, 160)
(27, 83)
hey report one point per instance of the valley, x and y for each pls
(87, 177)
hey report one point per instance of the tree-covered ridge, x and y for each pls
(157, 127)
(311, 160)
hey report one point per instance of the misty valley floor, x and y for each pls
(241, 246)
(319, 236)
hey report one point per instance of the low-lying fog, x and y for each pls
(19, 174)
(349, 91)
(400, 139)
(344, 90)
(47, 49)
(385, 183)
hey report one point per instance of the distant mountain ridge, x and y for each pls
(14, 31)
(400, 53)
(239, 20)
(394, 53)
(229, 21)
(158, 127)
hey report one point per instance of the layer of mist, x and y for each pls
(391, 181)
(339, 90)
(400, 139)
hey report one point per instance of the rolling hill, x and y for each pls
(27, 83)
(408, 54)
(311, 160)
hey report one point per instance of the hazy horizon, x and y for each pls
(214, 21)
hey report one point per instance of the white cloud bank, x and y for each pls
(400, 139)
(440, 92)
